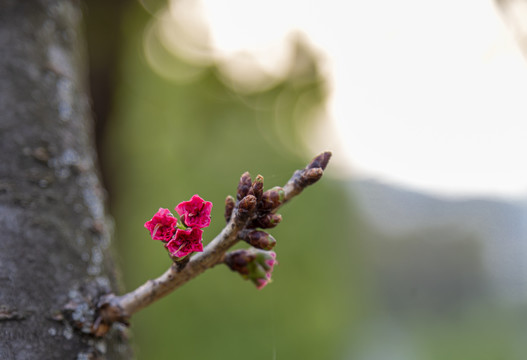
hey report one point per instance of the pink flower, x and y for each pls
(195, 212)
(162, 226)
(185, 242)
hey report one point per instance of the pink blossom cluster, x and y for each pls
(181, 240)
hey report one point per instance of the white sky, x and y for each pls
(431, 94)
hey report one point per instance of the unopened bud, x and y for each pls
(252, 264)
(271, 199)
(310, 176)
(257, 187)
(266, 221)
(247, 205)
(320, 161)
(243, 186)
(260, 240)
(260, 272)
(229, 206)
(266, 259)
(239, 260)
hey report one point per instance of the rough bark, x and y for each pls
(54, 232)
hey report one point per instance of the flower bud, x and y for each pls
(252, 264)
(245, 208)
(263, 267)
(310, 176)
(243, 186)
(229, 206)
(320, 161)
(271, 199)
(257, 187)
(247, 204)
(266, 221)
(239, 260)
(260, 240)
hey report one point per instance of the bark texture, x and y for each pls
(54, 232)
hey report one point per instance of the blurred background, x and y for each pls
(413, 246)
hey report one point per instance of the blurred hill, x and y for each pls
(447, 275)
(482, 237)
(383, 204)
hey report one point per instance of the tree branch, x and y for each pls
(112, 308)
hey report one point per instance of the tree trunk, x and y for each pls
(54, 232)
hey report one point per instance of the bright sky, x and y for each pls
(429, 94)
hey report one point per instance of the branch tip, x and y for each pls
(320, 161)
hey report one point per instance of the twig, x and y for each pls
(112, 308)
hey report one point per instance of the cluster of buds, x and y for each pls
(266, 203)
(252, 264)
(185, 237)
(263, 205)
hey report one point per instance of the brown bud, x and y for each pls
(257, 187)
(229, 206)
(320, 161)
(271, 199)
(247, 205)
(243, 186)
(310, 176)
(266, 221)
(238, 261)
(260, 240)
